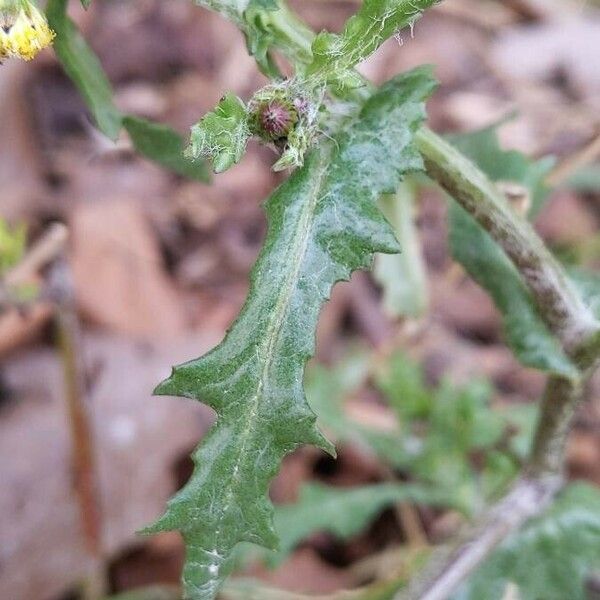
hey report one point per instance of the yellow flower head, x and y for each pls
(24, 30)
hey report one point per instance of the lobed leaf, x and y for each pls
(222, 134)
(526, 333)
(550, 558)
(323, 224)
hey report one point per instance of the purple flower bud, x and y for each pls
(277, 118)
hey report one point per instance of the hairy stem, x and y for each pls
(558, 302)
(571, 321)
(448, 568)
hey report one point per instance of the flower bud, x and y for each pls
(276, 118)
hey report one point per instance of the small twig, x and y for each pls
(84, 470)
(411, 524)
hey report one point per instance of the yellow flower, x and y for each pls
(24, 30)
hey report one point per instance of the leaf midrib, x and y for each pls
(275, 327)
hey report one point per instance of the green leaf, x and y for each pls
(343, 512)
(84, 69)
(586, 179)
(377, 20)
(402, 276)
(438, 430)
(86, 3)
(323, 224)
(526, 332)
(155, 141)
(264, 4)
(327, 390)
(248, 589)
(13, 241)
(402, 382)
(549, 558)
(267, 26)
(164, 146)
(222, 135)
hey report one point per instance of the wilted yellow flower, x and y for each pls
(24, 30)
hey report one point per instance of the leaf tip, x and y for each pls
(166, 387)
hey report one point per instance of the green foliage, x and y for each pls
(526, 332)
(13, 241)
(343, 512)
(222, 134)
(83, 67)
(275, 27)
(438, 431)
(157, 142)
(244, 589)
(323, 224)
(483, 147)
(327, 390)
(335, 55)
(330, 60)
(164, 146)
(550, 558)
(402, 276)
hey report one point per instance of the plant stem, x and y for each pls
(572, 322)
(558, 302)
(448, 568)
(83, 460)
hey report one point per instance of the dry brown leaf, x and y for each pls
(119, 277)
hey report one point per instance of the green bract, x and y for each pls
(323, 224)
(222, 134)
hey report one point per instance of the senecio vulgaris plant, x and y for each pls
(345, 143)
